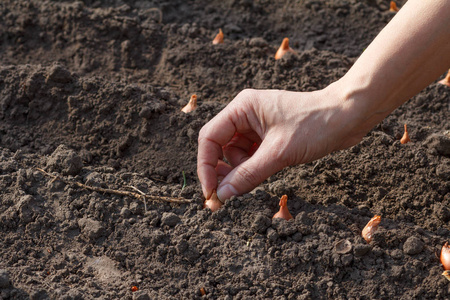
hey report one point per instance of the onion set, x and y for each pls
(445, 256)
(393, 7)
(219, 38)
(213, 203)
(446, 80)
(191, 106)
(370, 228)
(284, 48)
(405, 138)
(283, 213)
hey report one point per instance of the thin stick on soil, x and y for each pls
(142, 194)
(315, 166)
(139, 195)
(159, 180)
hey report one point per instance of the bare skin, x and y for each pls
(292, 128)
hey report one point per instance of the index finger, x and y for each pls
(215, 134)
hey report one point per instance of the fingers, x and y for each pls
(249, 174)
(240, 148)
(210, 151)
(222, 170)
(219, 132)
(215, 134)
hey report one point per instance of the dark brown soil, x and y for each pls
(91, 92)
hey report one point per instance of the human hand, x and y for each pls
(292, 128)
(287, 128)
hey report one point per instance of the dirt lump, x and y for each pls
(65, 161)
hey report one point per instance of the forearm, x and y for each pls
(408, 54)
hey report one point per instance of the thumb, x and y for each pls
(250, 173)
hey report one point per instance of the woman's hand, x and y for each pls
(292, 127)
(285, 128)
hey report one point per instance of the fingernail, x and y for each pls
(205, 191)
(225, 192)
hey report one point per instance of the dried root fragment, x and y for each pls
(371, 227)
(138, 195)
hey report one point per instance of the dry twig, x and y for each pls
(139, 194)
(142, 194)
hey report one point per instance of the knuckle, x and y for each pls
(248, 91)
(247, 94)
(202, 133)
(250, 177)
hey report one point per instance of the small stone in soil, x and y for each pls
(91, 228)
(283, 227)
(346, 259)
(4, 279)
(297, 237)
(258, 42)
(272, 235)
(65, 160)
(413, 246)
(440, 143)
(59, 74)
(170, 219)
(442, 212)
(261, 223)
(361, 249)
(141, 295)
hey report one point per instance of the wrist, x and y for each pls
(354, 116)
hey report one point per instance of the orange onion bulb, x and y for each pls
(213, 203)
(446, 80)
(284, 48)
(283, 213)
(370, 228)
(192, 105)
(445, 256)
(393, 7)
(219, 38)
(405, 138)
